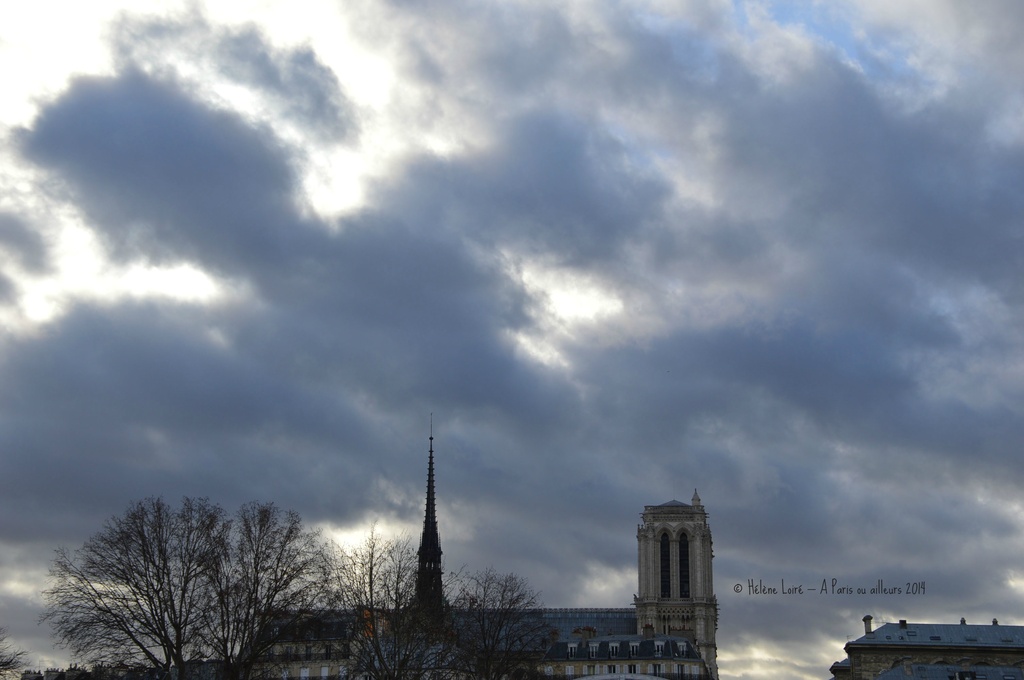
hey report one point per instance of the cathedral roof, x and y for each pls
(694, 503)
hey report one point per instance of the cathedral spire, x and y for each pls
(429, 589)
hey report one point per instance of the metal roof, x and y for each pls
(919, 671)
(943, 635)
(604, 621)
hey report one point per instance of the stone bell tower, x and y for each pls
(676, 593)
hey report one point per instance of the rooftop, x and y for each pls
(619, 621)
(946, 672)
(944, 635)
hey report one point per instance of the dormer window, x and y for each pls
(634, 649)
(592, 650)
(659, 648)
(572, 651)
(613, 649)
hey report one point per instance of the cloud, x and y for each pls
(22, 244)
(556, 187)
(292, 82)
(807, 270)
(375, 312)
(163, 176)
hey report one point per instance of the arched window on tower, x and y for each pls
(666, 567)
(684, 566)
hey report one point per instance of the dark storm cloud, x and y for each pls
(556, 185)
(137, 401)
(167, 178)
(400, 316)
(858, 175)
(411, 319)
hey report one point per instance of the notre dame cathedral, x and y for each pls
(668, 633)
(670, 630)
(676, 594)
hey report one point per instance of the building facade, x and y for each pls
(961, 651)
(313, 649)
(623, 656)
(676, 594)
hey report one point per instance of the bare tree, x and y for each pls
(165, 587)
(10, 659)
(270, 573)
(395, 638)
(500, 630)
(133, 592)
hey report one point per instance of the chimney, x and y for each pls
(648, 631)
(867, 624)
(903, 624)
(995, 622)
(963, 621)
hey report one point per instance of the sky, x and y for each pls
(610, 252)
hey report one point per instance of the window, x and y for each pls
(570, 671)
(655, 669)
(613, 649)
(549, 670)
(659, 648)
(591, 670)
(634, 648)
(632, 669)
(684, 566)
(612, 669)
(572, 651)
(666, 566)
(592, 651)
